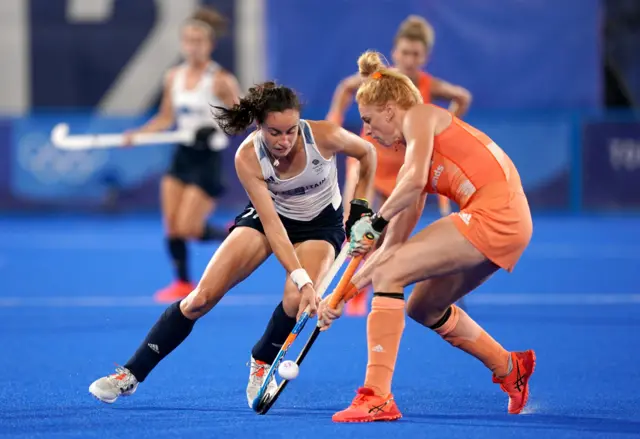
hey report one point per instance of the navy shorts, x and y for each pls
(198, 165)
(327, 226)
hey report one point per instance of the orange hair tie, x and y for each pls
(376, 75)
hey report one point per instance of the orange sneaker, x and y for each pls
(516, 384)
(369, 407)
(357, 307)
(176, 291)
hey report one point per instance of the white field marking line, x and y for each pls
(478, 299)
(122, 302)
(151, 242)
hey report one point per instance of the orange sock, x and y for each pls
(463, 332)
(384, 331)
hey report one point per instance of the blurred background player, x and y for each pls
(412, 47)
(450, 257)
(193, 181)
(288, 169)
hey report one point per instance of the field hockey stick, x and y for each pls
(61, 139)
(324, 285)
(338, 294)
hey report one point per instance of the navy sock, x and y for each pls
(278, 329)
(171, 329)
(178, 251)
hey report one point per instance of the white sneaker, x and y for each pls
(256, 378)
(108, 389)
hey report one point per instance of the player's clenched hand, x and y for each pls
(309, 298)
(359, 208)
(326, 314)
(363, 237)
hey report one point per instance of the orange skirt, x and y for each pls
(497, 221)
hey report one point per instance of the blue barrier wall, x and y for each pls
(518, 50)
(515, 54)
(567, 162)
(521, 76)
(79, 63)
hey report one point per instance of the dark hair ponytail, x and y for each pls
(236, 119)
(261, 100)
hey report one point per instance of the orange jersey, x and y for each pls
(469, 168)
(390, 160)
(465, 160)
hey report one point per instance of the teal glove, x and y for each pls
(365, 233)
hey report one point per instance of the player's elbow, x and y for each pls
(416, 186)
(165, 121)
(417, 179)
(368, 161)
(346, 87)
(463, 97)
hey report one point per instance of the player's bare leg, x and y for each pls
(444, 206)
(195, 208)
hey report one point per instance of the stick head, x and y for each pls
(59, 133)
(264, 405)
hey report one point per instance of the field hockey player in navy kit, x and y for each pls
(193, 183)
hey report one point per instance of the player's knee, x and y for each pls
(198, 229)
(384, 276)
(291, 301)
(414, 311)
(193, 232)
(170, 228)
(199, 302)
(377, 277)
(425, 312)
(182, 228)
(418, 310)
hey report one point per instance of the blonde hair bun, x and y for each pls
(370, 62)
